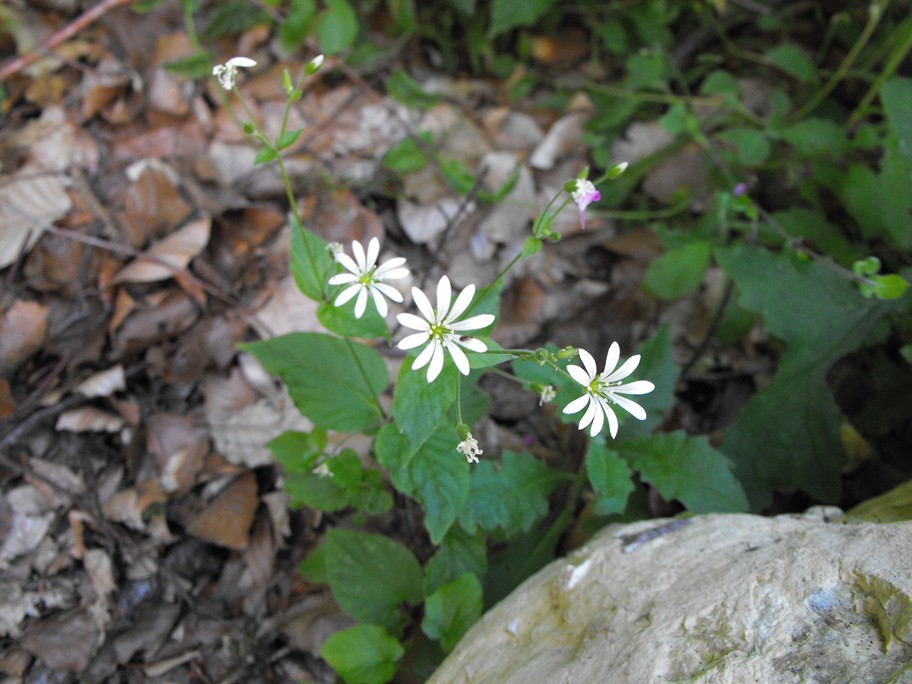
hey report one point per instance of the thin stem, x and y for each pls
(875, 12)
(896, 58)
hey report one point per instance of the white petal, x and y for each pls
(358, 251)
(459, 358)
(576, 405)
(373, 251)
(631, 407)
(412, 341)
(588, 363)
(436, 364)
(424, 356)
(611, 361)
(612, 419)
(638, 387)
(589, 415)
(444, 293)
(388, 291)
(579, 375)
(412, 321)
(347, 263)
(343, 278)
(245, 62)
(598, 421)
(473, 322)
(423, 304)
(474, 344)
(347, 294)
(462, 302)
(379, 302)
(361, 304)
(390, 273)
(625, 370)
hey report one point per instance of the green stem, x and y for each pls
(875, 12)
(896, 58)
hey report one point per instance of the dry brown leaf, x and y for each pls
(89, 419)
(63, 642)
(103, 384)
(98, 566)
(25, 533)
(129, 505)
(155, 321)
(180, 445)
(7, 403)
(225, 521)
(23, 329)
(55, 143)
(168, 256)
(565, 136)
(102, 84)
(29, 202)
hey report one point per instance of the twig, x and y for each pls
(64, 34)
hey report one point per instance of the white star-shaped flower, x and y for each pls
(469, 447)
(440, 329)
(365, 278)
(226, 73)
(605, 389)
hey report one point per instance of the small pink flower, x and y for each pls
(584, 195)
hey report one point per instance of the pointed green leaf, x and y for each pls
(459, 553)
(363, 654)
(371, 576)
(337, 27)
(452, 609)
(311, 262)
(896, 94)
(610, 477)
(332, 381)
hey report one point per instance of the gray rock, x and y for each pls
(716, 598)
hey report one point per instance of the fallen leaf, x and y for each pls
(565, 135)
(63, 642)
(98, 566)
(103, 384)
(225, 521)
(29, 203)
(168, 256)
(180, 445)
(23, 330)
(88, 419)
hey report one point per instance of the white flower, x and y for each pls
(584, 194)
(227, 72)
(469, 447)
(441, 330)
(365, 278)
(322, 471)
(547, 394)
(605, 389)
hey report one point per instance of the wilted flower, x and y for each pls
(365, 278)
(441, 330)
(547, 394)
(469, 447)
(584, 195)
(605, 389)
(227, 73)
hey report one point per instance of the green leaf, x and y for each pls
(332, 381)
(687, 469)
(793, 61)
(418, 405)
(371, 576)
(508, 14)
(196, 66)
(457, 175)
(720, 83)
(610, 477)
(363, 654)
(788, 433)
(890, 286)
(313, 568)
(403, 88)
(896, 95)
(459, 553)
(288, 138)
(294, 30)
(512, 498)
(678, 271)
(311, 262)
(232, 17)
(265, 155)
(812, 225)
(817, 137)
(337, 27)
(342, 321)
(406, 156)
(753, 146)
(452, 609)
